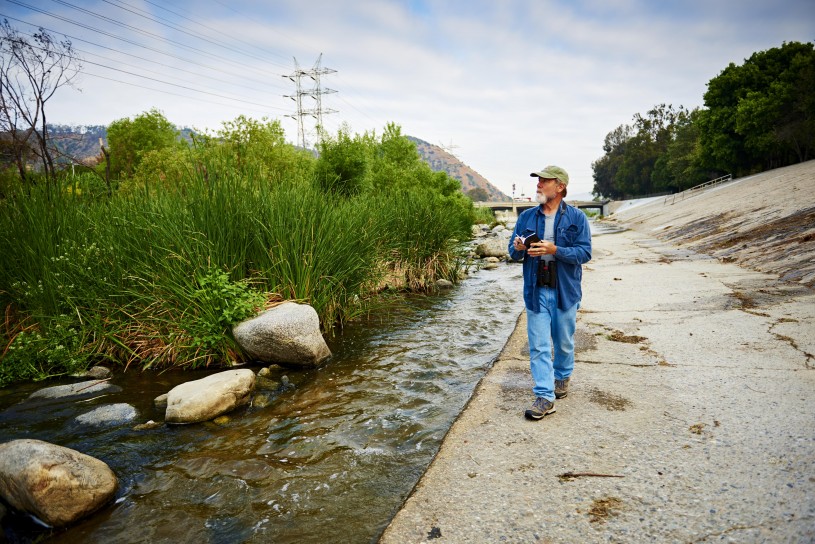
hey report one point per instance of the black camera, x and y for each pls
(547, 274)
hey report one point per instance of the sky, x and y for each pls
(508, 86)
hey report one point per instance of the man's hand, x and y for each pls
(518, 245)
(542, 248)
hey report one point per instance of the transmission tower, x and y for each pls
(315, 92)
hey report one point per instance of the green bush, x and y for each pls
(200, 238)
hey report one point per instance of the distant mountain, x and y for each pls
(442, 161)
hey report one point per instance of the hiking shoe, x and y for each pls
(541, 407)
(561, 388)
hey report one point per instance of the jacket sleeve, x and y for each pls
(579, 252)
(514, 254)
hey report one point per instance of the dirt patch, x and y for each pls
(602, 509)
(609, 401)
(620, 336)
(746, 301)
(584, 341)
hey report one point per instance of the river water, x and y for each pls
(330, 461)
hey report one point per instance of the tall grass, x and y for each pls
(155, 276)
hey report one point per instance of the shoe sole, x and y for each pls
(536, 416)
(561, 395)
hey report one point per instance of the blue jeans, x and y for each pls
(546, 328)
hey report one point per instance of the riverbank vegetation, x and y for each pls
(756, 117)
(148, 259)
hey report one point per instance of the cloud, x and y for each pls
(514, 84)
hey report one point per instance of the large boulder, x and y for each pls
(288, 333)
(207, 398)
(55, 484)
(493, 247)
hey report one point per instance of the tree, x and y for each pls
(761, 114)
(130, 140)
(478, 194)
(31, 71)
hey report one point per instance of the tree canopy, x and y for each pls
(757, 116)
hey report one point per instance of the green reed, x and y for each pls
(155, 275)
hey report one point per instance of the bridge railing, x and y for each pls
(690, 192)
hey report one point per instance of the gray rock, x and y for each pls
(493, 260)
(96, 373)
(148, 426)
(88, 388)
(444, 284)
(208, 398)
(160, 402)
(288, 333)
(110, 414)
(491, 266)
(492, 247)
(56, 485)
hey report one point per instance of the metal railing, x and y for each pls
(689, 192)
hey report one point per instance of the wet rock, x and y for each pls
(160, 403)
(147, 426)
(208, 398)
(222, 420)
(288, 333)
(444, 284)
(492, 247)
(80, 389)
(111, 414)
(57, 485)
(285, 384)
(95, 372)
(260, 401)
(266, 383)
(264, 372)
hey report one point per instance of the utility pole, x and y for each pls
(315, 92)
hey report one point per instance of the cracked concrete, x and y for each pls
(707, 417)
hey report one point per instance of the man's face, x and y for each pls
(547, 189)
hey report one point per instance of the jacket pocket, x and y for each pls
(566, 236)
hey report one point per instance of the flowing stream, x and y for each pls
(330, 461)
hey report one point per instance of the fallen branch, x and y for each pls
(97, 382)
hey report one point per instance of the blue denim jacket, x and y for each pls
(573, 241)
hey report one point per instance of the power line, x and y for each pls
(165, 92)
(215, 30)
(142, 31)
(141, 58)
(120, 38)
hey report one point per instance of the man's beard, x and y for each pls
(541, 198)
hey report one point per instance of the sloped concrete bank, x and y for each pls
(690, 415)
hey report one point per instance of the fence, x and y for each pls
(689, 192)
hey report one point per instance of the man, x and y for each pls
(558, 242)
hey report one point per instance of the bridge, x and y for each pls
(517, 206)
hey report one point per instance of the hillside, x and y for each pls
(442, 161)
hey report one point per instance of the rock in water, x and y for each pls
(111, 414)
(288, 333)
(57, 485)
(207, 398)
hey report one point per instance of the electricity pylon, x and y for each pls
(316, 93)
